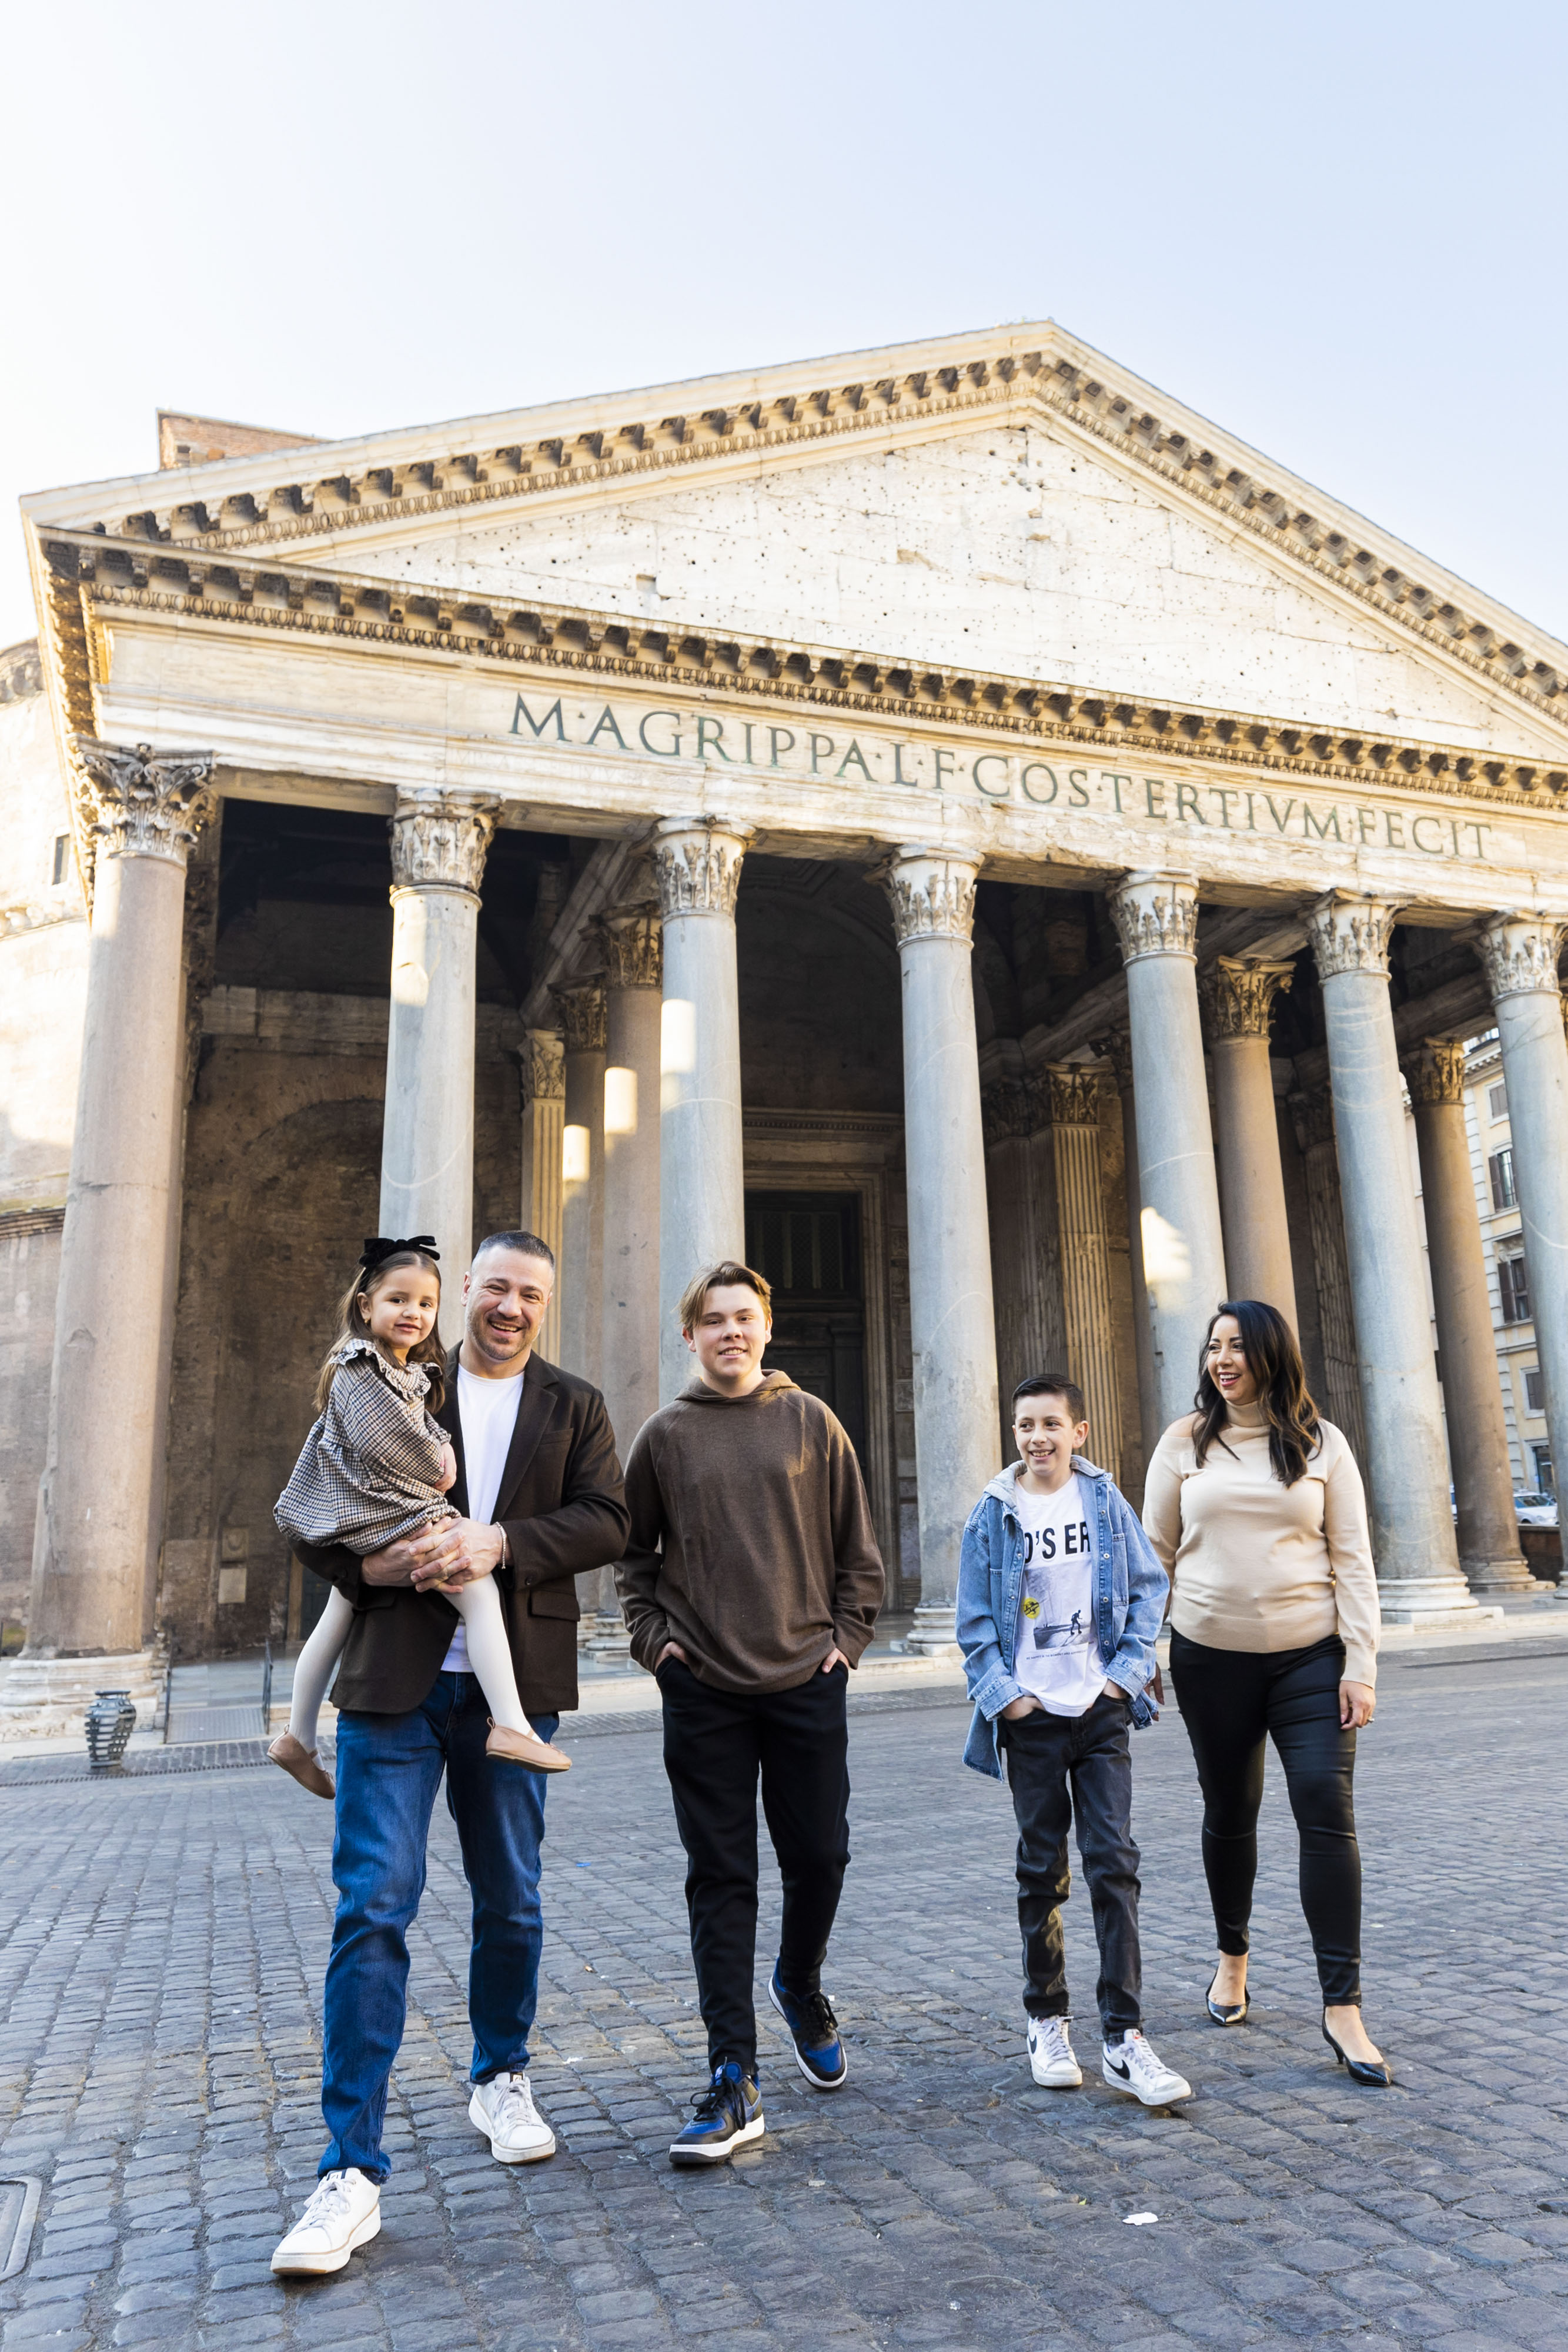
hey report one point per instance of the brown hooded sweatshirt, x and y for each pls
(751, 1541)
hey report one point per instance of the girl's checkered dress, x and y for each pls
(367, 1474)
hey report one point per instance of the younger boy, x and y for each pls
(1060, 1599)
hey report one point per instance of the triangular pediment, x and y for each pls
(1010, 502)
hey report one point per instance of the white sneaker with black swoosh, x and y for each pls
(1132, 2065)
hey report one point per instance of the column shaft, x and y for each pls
(1521, 954)
(1118, 1047)
(1489, 1551)
(1314, 1114)
(951, 1308)
(1406, 1460)
(439, 844)
(1072, 1100)
(1241, 992)
(1026, 1317)
(544, 1127)
(702, 1181)
(630, 1351)
(96, 1545)
(581, 1285)
(1184, 1252)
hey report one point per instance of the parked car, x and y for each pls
(1533, 1509)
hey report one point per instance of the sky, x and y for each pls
(1335, 230)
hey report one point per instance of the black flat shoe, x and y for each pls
(1360, 2069)
(1231, 2013)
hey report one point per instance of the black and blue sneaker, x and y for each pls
(814, 2030)
(729, 2114)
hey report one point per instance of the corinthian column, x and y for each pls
(1520, 952)
(702, 1181)
(1241, 992)
(1117, 1047)
(1407, 1468)
(1156, 917)
(951, 1314)
(100, 1503)
(439, 842)
(1072, 1102)
(634, 978)
(1312, 1112)
(544, 1122)
(579, 1288)
(1472, 1392)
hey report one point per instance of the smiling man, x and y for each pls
(751, 1587)
(539, 1499)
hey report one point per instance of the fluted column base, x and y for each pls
(935, 1633)
(47, 1698)
(1431, 1600)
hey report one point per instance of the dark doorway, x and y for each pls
(808, 1247)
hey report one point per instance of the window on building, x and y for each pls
(1497, 1102)
(1514, 1290)
(62, 853)
(1534, 1401)
(1544, 1484)
(1499, 1168)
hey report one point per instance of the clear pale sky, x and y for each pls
(1336, 231)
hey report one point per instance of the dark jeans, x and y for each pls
(389, 1769)
(1231, 1701)
(1060, 1767)
(715, 1743)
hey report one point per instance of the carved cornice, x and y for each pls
(614, 645)
(582, 1016)
(1520, 954)
(146, 803)
(634, 947)
(981, 380)
(1071, 1094)
(1238, 994)
(932, 894)
(1154, 914)
(1351, 934)
(18, 915)
(440, 840)
(697, 862)
(543, 1057)
(1434, 1072)
(21, 671)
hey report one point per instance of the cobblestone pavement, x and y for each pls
(161, 1982)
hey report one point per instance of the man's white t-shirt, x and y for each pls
(489, 1412)
(1057, 1657)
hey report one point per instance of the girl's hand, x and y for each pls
(1357, 1703)
(448, 1477)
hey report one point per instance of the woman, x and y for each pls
(1256, 1508)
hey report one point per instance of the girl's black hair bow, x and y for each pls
(378, 1249)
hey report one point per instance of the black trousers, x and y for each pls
(1060, 1767)
(716, 1745)
(1231, 1702)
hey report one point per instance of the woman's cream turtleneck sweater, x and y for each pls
(1255, 1565)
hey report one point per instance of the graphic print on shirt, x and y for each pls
(1055, 1598)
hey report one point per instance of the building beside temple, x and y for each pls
(947, 822)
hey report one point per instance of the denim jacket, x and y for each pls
(1129, 1588)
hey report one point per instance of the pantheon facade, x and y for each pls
(946, 823)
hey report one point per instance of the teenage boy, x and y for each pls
(1060, 1599)
(751, 1587)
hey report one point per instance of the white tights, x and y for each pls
(489, 1654)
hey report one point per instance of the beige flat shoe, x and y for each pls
(526, 1747)
(302, 1764)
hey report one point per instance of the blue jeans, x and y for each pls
(389, 1769)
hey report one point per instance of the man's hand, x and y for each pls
(1357, 1703)
(1018, 1707)
(469, 1551)
(670, 1650)
(834, 1658)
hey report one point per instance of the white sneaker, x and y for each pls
(504, 2109)
(344, 2212)
(1051, 2058)
(1132, 2065)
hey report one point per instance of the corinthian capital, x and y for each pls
(1434, 1072)
(1154, 914)
(633, 947)
(1351, 934)
(1006, 1110)
(146, 804)
(439, 841)
(932, 893)
(583, 1018)
(697, 861)
(1071, 1094)
(1239, 993)
(1519, 955)
(543, 1059)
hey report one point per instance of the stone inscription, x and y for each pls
(1066, 783)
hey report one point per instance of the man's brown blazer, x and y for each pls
(563, 1511)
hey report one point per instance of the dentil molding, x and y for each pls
(932, 894)
(440, 841)
(1434, 1072)
(146, 803)
(1518, 954)
(1154, 914)
(1351, 934)
(697, 862)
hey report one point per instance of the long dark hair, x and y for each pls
(352, 1325)
(1274, 1359)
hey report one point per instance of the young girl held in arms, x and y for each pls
(376, 1468)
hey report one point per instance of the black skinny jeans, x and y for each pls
(1059, 1767)
(1231, 1702)
(716, 1745)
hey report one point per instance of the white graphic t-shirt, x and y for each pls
(1058, 1658)
(489, 1412)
